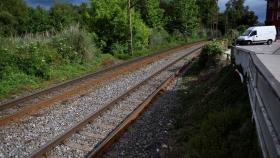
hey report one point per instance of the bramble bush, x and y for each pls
(214, 118)
(158, 37)
(209, 53)
(37, 58)
(73, 46)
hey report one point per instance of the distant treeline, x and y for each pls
(107, 19)
(38, 44)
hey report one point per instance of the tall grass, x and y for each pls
(36, 60)
(159, 39)
(214, 118)
(26, 61)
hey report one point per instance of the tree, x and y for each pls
(63, 15)
(239, 14)
(185, 17)
(13, 17)
(110, 23)
(39, 20)
(151, 12)
(207, 10)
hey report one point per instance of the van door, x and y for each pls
(254, 36)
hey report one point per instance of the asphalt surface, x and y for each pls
(269, 56)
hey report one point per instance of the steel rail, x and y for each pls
(121, 128)
(13, 102)
(100, 77)
(61, 138)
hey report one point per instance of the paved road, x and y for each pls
(264, 48)
(269, 55)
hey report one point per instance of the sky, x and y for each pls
(258, 6)
(48, 3)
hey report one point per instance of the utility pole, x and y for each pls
(129, 40)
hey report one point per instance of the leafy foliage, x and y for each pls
(63, 15)
(151, 13)
(36, 57)
(183, 16)
(208, 9)
(13, 17)
(158, 36)
(209, 53)
(214, 119)
(237, 14)
(41, 44)
(111, 25)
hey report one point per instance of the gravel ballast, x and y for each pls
(148, 135)
(114, 116)
(22, 138)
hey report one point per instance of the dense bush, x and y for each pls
(158, 37)
(214, 119)
(209, 53)
(36, 56)
(74, 45)
(120, 51)
(13, 17)
(39, 44)
(111, 25)
(151, 13)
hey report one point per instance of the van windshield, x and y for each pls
(247, 32)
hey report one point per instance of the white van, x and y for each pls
(258, 34)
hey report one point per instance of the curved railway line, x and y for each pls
(91, 135)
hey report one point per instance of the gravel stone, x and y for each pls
(21, 138)
(148, 136)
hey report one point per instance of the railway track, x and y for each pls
(66, 127)
(15, 109)
(91, 137)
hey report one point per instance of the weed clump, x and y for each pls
(210, 53)
(214, 118)
(38, 57)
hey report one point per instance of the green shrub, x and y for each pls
(214, 119)
(158, 37)
(120, 51)
(44, 57)
(141, 33)
(74, 45)
(209, 53)
(220, 133)
(14, 79)
(31, 59)
(176, 36)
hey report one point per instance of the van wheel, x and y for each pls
(269, 42)
(249, 42)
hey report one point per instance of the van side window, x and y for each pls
(253, 33)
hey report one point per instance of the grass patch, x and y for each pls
(36, 61)
(214, 116)
(17, 80)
